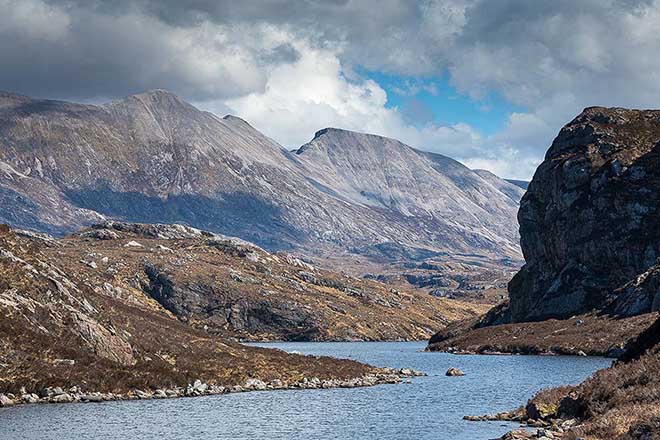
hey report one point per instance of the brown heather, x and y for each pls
(618, 403)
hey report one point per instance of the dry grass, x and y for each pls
(620, 402)
(43, 291)
(592, 334)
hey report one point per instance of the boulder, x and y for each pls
(30, 398)
(454, 372)
(142, 394)
(5, 401)
(255, 384)
(62, 398)
(541, 411)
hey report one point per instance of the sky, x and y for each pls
(489, 83)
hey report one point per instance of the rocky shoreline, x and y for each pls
(199, 388)
(585, 335)
(535, 414)
(555, 429)
(529, 351)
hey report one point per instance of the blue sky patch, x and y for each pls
(422, 101)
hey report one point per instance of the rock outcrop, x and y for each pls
(589, 221)
(230, 287)
(590, 229)
(80, 319)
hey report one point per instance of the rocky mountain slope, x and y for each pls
(61, 328)
(455, 209)
(233, 288)
(589, 227)
(154, 158)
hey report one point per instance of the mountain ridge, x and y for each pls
(153, 157)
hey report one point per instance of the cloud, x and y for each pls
(313, 93)
(292, 67)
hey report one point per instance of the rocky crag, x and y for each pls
(589, 221)
(101, 316)
(589, 228)
(345, 199)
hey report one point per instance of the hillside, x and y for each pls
(127, 307)
(235, 289)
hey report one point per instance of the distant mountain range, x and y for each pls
(152, 157)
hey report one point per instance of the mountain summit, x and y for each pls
(152, 157)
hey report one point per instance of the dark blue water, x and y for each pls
(429, 408)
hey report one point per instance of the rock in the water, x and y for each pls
(5, 401)
(454, 372)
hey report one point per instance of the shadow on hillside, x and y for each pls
(236, 214)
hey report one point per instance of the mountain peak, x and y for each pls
(235, 120)
(153, 98)
(157, 93)
(329, 130)
(342, 132)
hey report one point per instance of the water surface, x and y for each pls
(429, 408)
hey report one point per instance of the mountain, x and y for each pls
(590, 234)
(95, 317)
(521, 183)
(453, 209)
(152, 157)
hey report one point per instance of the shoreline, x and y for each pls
(75, 394)
(347, 341)
(551, 353)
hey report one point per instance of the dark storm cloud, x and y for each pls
(91, 49)
(87, 49)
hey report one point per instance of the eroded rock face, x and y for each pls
(589, 221)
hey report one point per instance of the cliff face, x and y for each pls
(589, 221)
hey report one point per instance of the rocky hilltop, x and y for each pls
(589, 220)
(589, 229)
(152, 157)
(139, 311)
(229, 287)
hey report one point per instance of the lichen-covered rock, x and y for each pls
(589, 221)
